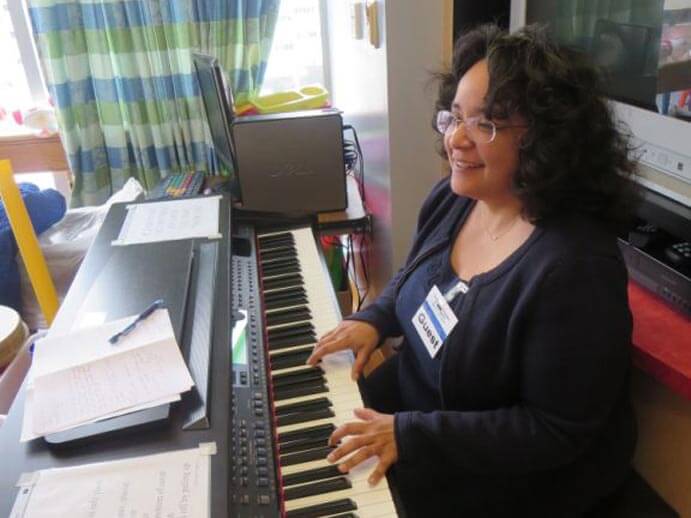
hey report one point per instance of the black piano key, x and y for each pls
(317, 488)
(277, 344)
(285, 296)
(286, 281)
(292, 312)
(275, 242)
(277, 253)
(304, 436)
(268, 241)
(291, 331)
(306, 369)
(275, 263)
(304, 417)
(281, 269)
(298, 328)
(306, 389)
(305, 456)
(285, 293)
(277, 304)
(305, 433)
(319, 403)
(297, 376)
(298, 379)
(278, 236)
(280, 355)
(288, 315)
(292, 360)
(303, 444)
(342, 505)
(280, 266)
(344, 515)
(311, 475)
(283, 261)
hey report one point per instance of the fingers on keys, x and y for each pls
(359, 364)
(379, 472)
(323, 348)
(361, 446)
(345, 430)
(366, 414)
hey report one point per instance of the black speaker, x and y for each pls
(291, 162)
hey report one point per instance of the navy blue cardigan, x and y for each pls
(534, 378)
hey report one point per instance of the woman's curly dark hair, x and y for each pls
(573, 157)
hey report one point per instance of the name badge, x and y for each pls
(434, 320)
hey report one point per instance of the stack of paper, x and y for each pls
(80, 377)
(166, 484)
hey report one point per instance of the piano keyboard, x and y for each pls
(310, 402)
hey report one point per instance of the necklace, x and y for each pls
(495, 237)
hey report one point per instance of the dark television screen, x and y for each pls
(642, 48)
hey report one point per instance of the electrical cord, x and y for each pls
(360, 161)
(350, 155)
(357, 261)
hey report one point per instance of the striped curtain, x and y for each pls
(121, 78)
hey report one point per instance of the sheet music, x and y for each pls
(28, 417)
(60, 351)
(85, 392)
(175, 483)
(170, 220)
(80, 377)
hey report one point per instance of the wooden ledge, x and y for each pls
(30, 154)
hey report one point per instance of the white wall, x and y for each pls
(415, 39)
(384, 93)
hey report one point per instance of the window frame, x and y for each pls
(27, 50)
(324, 28)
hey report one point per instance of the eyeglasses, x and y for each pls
(479, 129)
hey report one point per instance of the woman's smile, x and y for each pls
(459, 165)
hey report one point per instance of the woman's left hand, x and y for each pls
(374, 435)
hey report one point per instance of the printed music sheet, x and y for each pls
(175, 483)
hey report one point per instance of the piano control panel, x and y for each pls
(253, 476)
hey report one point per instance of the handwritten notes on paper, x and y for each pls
(80, 377)
(86, 392)
(170, 220)
(175, 483)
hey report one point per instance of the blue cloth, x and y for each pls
(45, 208)
(433, 270)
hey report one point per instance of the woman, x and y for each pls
(510, 391)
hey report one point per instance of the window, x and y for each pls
(296, 57)
(21, 85)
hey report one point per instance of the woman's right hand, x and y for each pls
(362, 338)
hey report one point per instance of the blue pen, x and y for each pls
(156, 304)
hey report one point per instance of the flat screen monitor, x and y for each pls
(644, 52)
(219, 112)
